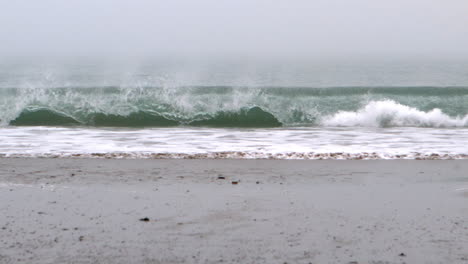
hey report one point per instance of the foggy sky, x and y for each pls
(304, 27)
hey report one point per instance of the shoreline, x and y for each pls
(243, 155)
(78, 210)
(220, 143)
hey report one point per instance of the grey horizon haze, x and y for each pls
(217, 27)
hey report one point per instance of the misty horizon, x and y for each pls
(227, 28)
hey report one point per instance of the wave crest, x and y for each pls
(388, 113)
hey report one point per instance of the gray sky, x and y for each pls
(300, 27)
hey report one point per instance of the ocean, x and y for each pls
(268, 109)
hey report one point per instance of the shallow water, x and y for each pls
(274, 143)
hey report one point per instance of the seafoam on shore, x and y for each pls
(237, 143)
(247, 155)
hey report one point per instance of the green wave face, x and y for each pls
(224, 106)
(43, 117)
(253, 117)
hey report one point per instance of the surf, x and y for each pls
(226, 106)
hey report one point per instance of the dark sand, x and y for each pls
(95, 210)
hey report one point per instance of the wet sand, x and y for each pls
(233, 211)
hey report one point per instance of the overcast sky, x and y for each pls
(309, 27)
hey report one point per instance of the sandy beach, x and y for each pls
(233, 211)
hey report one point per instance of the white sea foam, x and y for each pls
(388, 113)
(281, 143)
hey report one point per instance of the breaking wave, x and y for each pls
(389, 113)
(224, 106)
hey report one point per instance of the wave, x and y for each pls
(375, 114)
(223, 106)
(391, 114)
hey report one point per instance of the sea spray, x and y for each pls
(388, 113)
